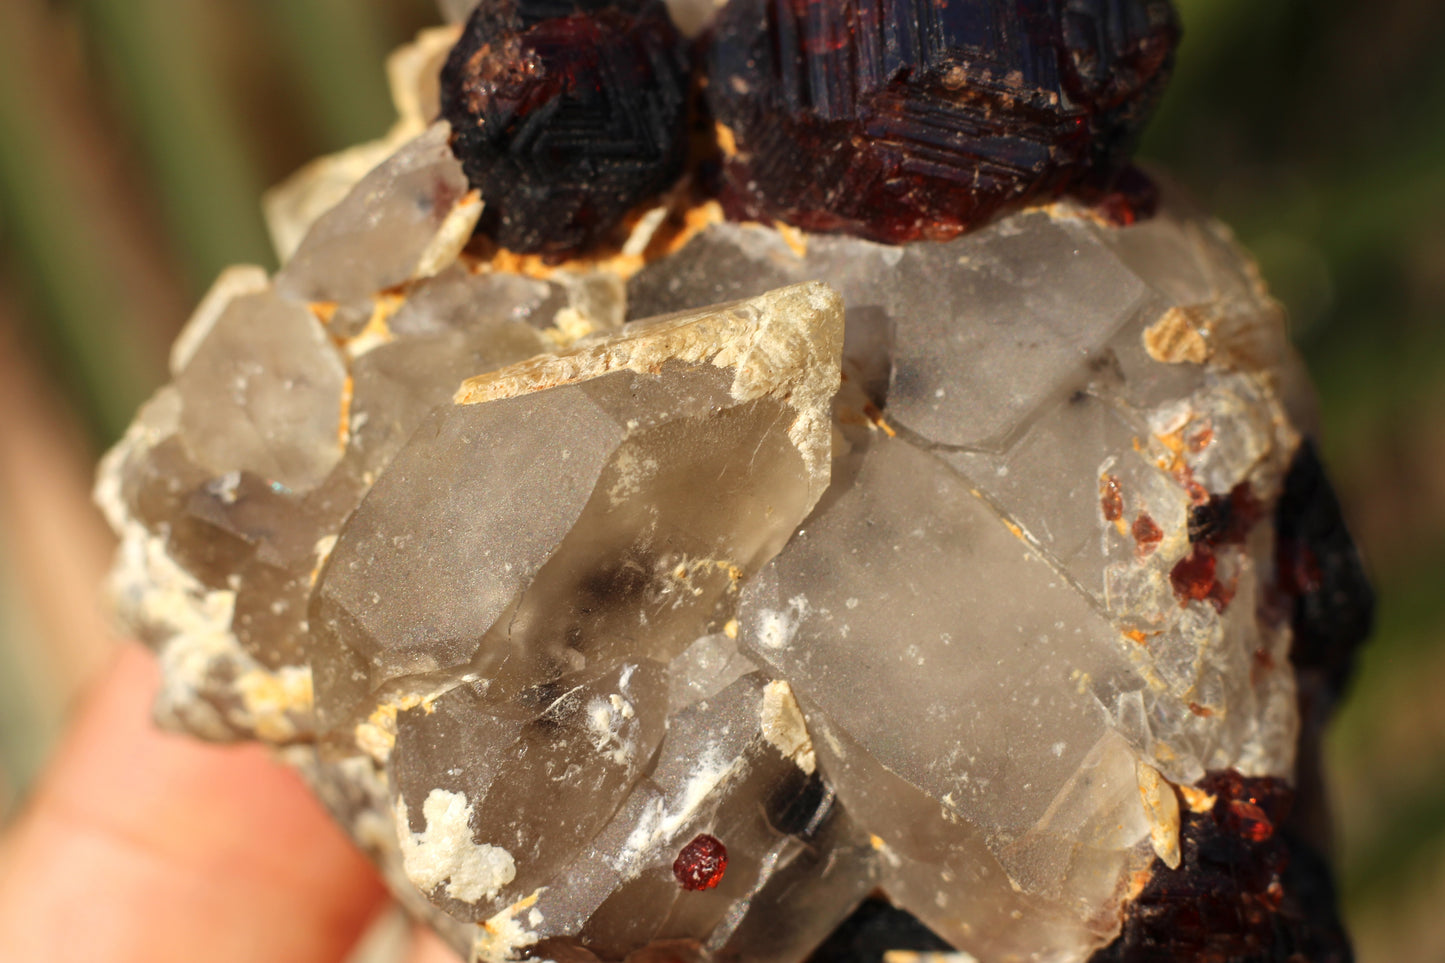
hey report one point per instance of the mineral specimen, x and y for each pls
(906, 119)
(675, 603)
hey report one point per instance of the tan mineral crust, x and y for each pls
(864, 560)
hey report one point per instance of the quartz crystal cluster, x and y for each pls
(669, 603)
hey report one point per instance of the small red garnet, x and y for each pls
(701, 863)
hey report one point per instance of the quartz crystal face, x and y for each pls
(674, 603)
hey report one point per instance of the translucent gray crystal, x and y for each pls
(263, 393)
(392, 228)
(862, 560)
(908, 588)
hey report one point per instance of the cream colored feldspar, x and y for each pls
(783, 344)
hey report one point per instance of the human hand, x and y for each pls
(140, 846)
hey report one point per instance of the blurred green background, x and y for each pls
(137, 135)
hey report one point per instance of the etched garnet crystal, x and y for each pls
(566, 115)
(701, 863)
(947, 567)
(905, 119)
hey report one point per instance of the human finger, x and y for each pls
(140, 845)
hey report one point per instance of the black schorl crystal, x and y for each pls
(566, 114)
(907, 119)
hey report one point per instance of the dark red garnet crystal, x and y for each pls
(1250, 889)
(701, 863)
(566, 114)
(907, 119)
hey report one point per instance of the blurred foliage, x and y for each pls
(136, 136)
(1317, 130)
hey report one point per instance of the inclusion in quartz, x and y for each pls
(677, 606)
(906, 119)
(566, 116)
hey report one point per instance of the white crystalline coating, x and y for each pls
(778, 627)
(606, 718)
(195, 624)
(445, 853)
(200, 657)
(504, 937)
(661, 821)
(784, 727)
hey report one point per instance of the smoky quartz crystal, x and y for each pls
(736, 590)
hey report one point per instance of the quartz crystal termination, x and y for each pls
(668, 607)
(907, 119)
